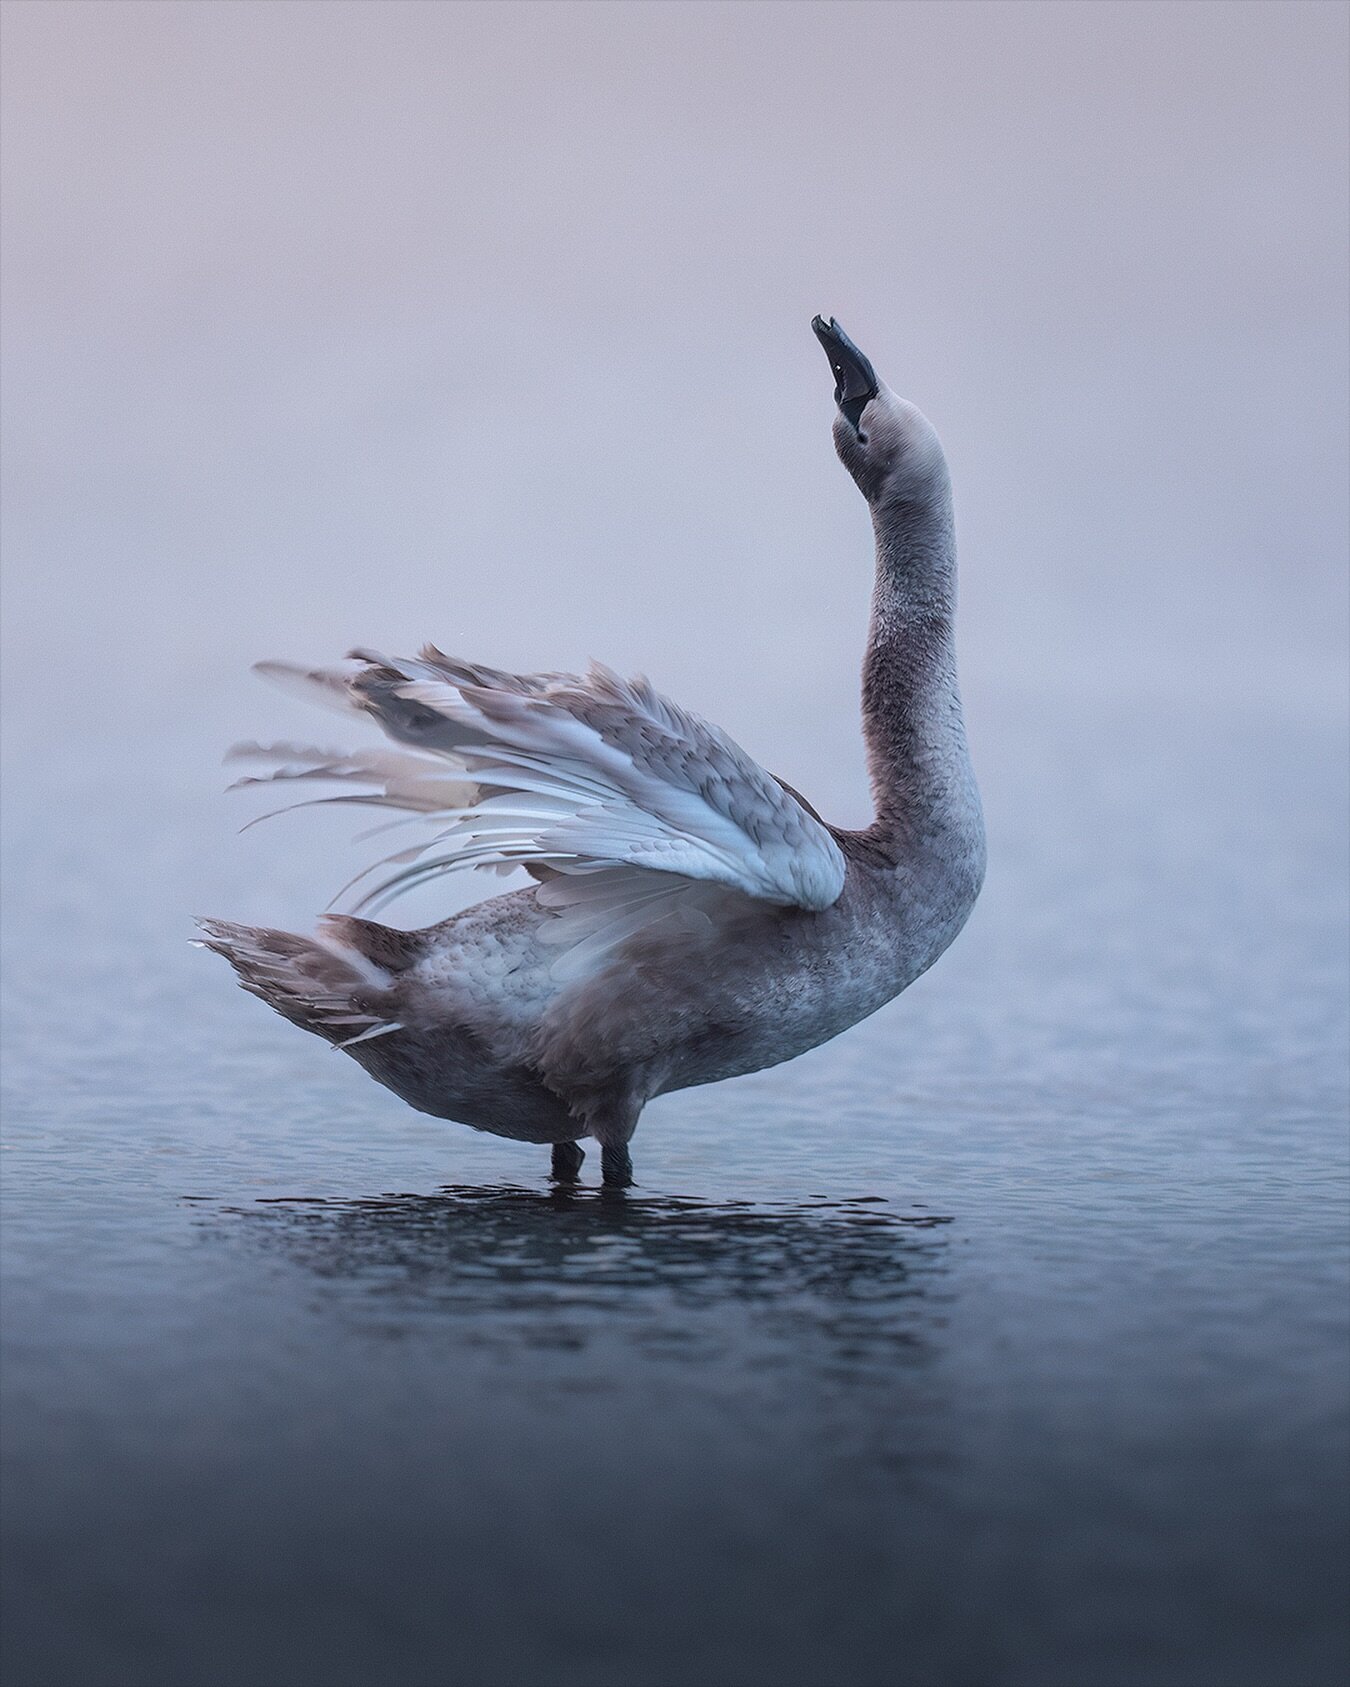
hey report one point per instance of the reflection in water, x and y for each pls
(846, 1282)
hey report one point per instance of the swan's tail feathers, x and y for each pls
(340, 984)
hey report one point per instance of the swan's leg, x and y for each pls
(610, 1116)
(616, 1166)
(567, 1158)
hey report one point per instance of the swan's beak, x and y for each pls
(855, 381)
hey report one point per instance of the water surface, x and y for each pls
(1002, 1341)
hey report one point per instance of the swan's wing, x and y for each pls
(566, 775)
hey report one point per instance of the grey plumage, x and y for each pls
(691, 918)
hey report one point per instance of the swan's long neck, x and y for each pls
(922, 781)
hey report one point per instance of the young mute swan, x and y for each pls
(692, 917)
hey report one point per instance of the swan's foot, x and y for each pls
(567, 1158)
(616, 1167)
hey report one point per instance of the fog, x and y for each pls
(489, 324)
(1004, 1333)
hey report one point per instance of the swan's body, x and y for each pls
(692, 918)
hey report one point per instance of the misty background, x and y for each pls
(339, 323)
(1004, 1334)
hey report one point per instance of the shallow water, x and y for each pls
(1001, 1341)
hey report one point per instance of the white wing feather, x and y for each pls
(567, 775)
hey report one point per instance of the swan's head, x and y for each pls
(887, 444)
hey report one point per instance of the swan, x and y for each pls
(691, 916)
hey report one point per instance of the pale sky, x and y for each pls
(329, 322)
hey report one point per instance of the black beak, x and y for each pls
(855, 381)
